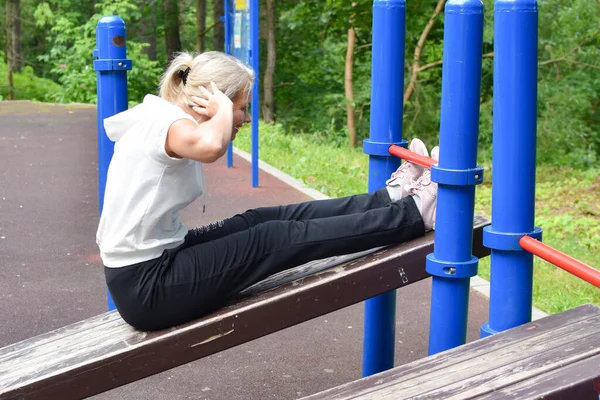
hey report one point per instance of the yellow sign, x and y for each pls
(240, 4)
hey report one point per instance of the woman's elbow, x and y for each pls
(212, 152)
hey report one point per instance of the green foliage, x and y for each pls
(568, 83)
(335, 171)
(312, 99)
(73, 39)
(314, 33)
(58, 38)
(28, 86)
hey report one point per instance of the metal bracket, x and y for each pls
(380, 148)
(506, 240)
(451, 269)
(112, 65)
(457, 177)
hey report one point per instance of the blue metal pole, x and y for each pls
(452, 263)
(111, 68)
(228, 21)
(513, 183)
(387, 87)
(255, 55)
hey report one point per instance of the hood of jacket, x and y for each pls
(119, 124)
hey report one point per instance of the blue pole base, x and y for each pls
(379, 333)
(230, 156)
(449, 313)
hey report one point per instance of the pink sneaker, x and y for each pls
(407, 173)
(424, 191)
(435, 153)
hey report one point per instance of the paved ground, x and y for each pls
(51, 274)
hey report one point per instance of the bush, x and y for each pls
(28, 86)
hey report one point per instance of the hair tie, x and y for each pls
(184, 75)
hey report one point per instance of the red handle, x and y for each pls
(561, 260)
(408, 155)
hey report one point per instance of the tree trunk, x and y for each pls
(219, 34)
(268, 109)
(172, 38)
(349, 91)
(147, 29)
(414, 74)
(17, 47)
(9, 51)
(200, 25)
(182, 7)
(92, 8)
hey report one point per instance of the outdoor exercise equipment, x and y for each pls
(561, 260)
(538, 359)
(111, 66)
(512, 236)
(241, 21)
(451, 263)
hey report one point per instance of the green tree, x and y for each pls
(312, 42)
(73, 37)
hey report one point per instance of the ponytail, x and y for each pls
(186, 72)
(172, 82)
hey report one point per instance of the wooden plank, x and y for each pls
(429, 370)
(515, 369)
(580, 381)
(486, 365)
(104, 352)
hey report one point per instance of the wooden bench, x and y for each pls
(103, 352)
(557, 357)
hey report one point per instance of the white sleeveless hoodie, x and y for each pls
(145, 188)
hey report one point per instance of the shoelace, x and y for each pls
(424, 179)
(420, 183)
(401, 170)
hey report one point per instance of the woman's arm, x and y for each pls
(209, 140)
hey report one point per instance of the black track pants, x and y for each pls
(218, 261)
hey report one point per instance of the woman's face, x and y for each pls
(241, 115)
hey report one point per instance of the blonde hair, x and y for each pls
(231, 76)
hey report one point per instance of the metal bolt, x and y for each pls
(476, 177)
(120, 64)
(452, 270)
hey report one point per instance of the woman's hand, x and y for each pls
(213, 103)
(209, 139)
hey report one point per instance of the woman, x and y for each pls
(160, 274)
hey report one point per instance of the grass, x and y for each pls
(567, 205)
(568, 210)
(333, 171)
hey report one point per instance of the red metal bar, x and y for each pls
(561, 260)
(408, 155)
